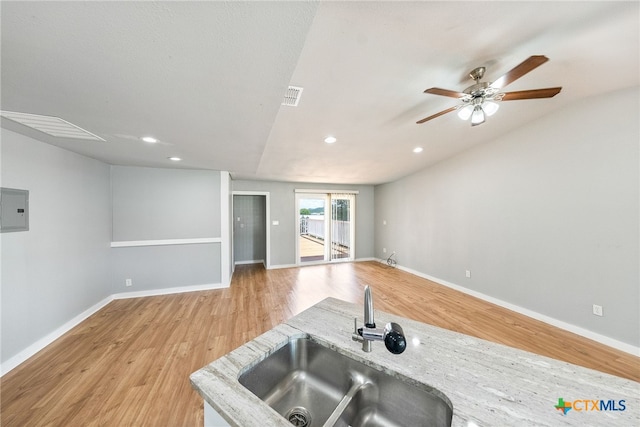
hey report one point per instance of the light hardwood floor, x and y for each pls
(129, 363)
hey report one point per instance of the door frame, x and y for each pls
(266, 194)
(300, 193)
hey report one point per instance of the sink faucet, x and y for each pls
(392, 334)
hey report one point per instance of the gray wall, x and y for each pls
(60, 267)
(249, 228)
(545, 218)
(282, 201)
(155, 204)
(162, 267)
(159, 204)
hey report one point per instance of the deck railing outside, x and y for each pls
(314, 226)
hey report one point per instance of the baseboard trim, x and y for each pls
(169, 291)
(276, 267)
(256, 261)
(602, 339)
(34, 348)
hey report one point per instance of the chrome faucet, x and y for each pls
(392, 334)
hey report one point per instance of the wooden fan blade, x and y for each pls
(444, 92)
(532, 94)
(527, 65)
(426, 119)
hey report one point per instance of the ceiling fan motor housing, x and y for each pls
(477, 89)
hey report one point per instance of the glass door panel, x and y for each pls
(312, 230)
(341, 227)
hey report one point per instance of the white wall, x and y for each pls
(545, 218)
(60, 267)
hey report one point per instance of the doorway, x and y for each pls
(250, 228)
(325, 227)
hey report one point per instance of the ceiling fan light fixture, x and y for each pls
(490, 107)
(477, 117)
(465, 112)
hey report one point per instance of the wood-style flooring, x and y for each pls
(129, 363)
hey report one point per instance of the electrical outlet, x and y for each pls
(128, 282)
(384, 250)
(597, 310)
(468, 274)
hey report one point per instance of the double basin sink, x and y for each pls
(314, 386)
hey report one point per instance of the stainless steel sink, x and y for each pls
(311, 385)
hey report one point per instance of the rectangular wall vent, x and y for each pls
(53, 126)
(292, 96)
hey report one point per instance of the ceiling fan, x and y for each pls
(481, 99)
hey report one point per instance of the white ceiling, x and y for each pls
(207, 78)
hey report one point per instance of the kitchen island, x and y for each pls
(487, 384)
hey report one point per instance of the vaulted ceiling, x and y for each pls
(207, 79)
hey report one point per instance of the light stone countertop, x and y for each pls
(488, 384)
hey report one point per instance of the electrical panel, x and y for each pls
(14, 210)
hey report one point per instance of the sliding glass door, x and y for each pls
(325, 227)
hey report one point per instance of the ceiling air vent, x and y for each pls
(53, 126)
(292, 96)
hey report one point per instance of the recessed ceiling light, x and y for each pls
(330, 139)
(149, 139)
(417, 150)
(174, 159)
